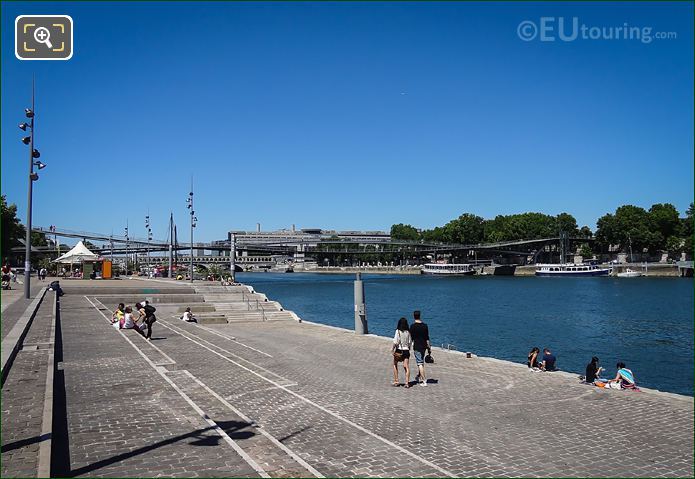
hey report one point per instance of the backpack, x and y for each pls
(149, 310)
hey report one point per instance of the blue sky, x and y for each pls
(347, 115)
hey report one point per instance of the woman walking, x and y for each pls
(401, 351)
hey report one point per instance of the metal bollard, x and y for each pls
(360, 307)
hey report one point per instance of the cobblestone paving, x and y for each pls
(14, 304)
(23, 398)
(123, 418)
(323, 400)
(478, 417)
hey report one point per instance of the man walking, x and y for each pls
(421, 342)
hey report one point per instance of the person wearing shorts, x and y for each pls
(421, 342)
(401, 347)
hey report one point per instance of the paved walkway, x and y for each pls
(23, 394)
(281, 398)
(14, 304)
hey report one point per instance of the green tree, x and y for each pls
(12, 229)
(494, 229)
(585, 251)
(38, 239)
(466, 229)
(689, 246)
(686, 226)
(435, 235)
(404, 232)
(664, 219)
(567, 224)
(629, 224)
(215, 271)
(585, 232)
(675, 245)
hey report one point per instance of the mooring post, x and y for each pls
(360, 307)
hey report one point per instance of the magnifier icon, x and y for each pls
(43, 35)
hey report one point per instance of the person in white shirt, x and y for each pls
(401, 351)
(188, 316)
(129, 321)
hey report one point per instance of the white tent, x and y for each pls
(78, 254)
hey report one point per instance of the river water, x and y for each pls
(645, 322)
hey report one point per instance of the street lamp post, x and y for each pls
(189, 205)
(33, 154)
(126, 247)
(171, 243)
(232, 256)
(149, 237)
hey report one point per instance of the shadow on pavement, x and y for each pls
(234, 429)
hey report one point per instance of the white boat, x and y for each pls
(630, 273)
(572, 270)
(448, 269)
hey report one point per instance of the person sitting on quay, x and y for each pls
(117, 316)
(593, 371)
(401, 351)
(548, 361)
(129, 321)
(188, 316)
(532, 362)
(624, 379)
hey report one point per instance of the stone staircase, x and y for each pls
(237, 304)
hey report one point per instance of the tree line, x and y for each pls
(13, 230)
(658, 229)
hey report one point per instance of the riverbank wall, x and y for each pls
(652, 270)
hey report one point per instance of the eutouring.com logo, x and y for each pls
(551, 29)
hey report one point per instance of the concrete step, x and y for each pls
(211, 319)
(152, 298)
(147, 288)
(198, 308)
(258, 316)
(221, 289)
(244, 306)
(231, 294)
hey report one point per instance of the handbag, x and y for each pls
(429, 359)
(397, 353)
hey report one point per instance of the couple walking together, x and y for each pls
(416, 336)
